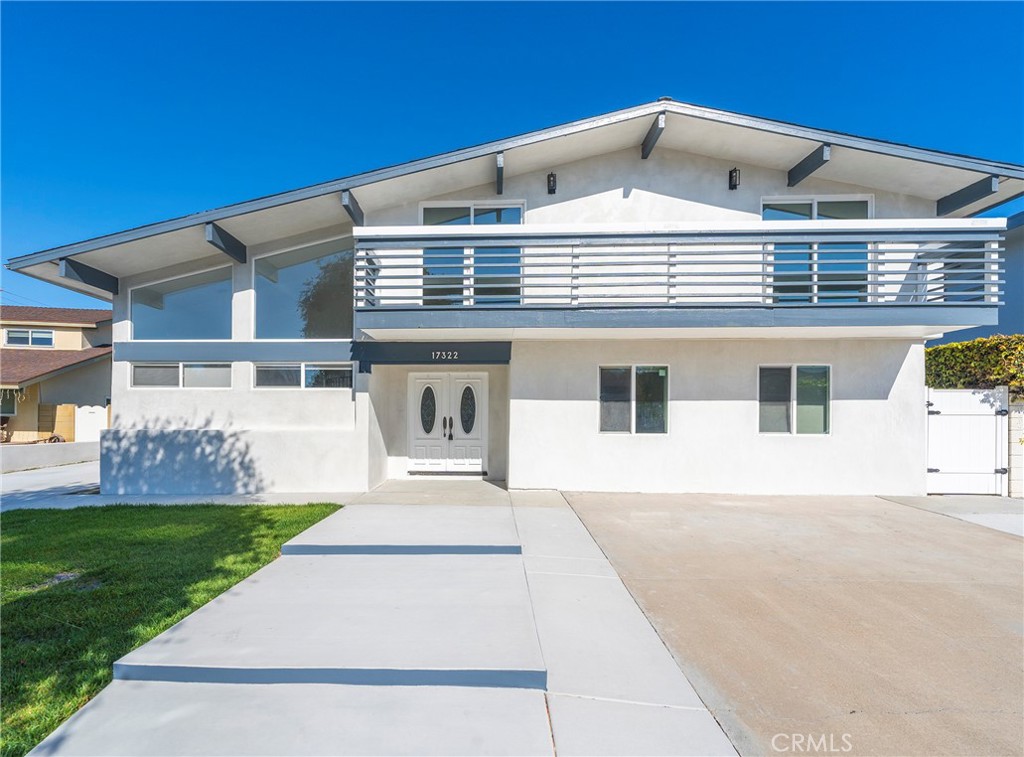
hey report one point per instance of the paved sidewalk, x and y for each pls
(1004, 514)
(402, 626)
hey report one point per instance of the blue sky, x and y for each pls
(120, 114)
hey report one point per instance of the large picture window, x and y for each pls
(634, 399)
(305, 294)
(827, 273)
(190, 307)
(799, 393)
(481, 276)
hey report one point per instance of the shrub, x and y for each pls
(978, 364)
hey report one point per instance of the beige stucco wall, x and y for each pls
(24, 426)
(876, 444)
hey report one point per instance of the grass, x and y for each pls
(80, 588)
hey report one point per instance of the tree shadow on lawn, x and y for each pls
(141, 569)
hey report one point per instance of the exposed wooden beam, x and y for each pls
(348, 201)
(86, 274)
(652, 136)
(499, 176)
(225, 242)
(979, 190)
(821, 155)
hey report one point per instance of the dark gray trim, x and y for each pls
(422, 353)
(978, 165)
(76, 270)
(979, 190)
(228, 351)
(226, 243)
(652, 137)
(348, 201)
(499, 173)
(693, 317)
(810, 164)
(1014, 221)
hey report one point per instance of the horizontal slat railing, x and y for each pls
(847, 263)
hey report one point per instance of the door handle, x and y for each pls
(444, 427)
(451, 427)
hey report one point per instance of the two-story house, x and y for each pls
(55, 368)
(667, 298)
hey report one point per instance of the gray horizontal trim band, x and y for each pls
(518, 679)
(640, 317)
(137, 352)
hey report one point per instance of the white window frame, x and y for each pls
(872, 261)
(231, 308)
(302, 375)
(181, 374)
(632, 398)
(31, 336)
(792, 398)
(252, 287)
(14, 396)
(468, 253)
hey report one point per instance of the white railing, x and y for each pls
(775, 264)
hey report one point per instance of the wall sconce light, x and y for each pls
(734, 178)
(552, 183)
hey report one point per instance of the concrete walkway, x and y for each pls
(431, 617)
(1004, 514)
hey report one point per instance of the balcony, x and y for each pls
(924, 272)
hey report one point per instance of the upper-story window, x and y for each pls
(480, 276)
(826, 273)
(29, 338)
(197, 306)
(305, 293)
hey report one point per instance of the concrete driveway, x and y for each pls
(433, 617)
(814, 624)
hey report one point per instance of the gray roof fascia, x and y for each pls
(953, 160)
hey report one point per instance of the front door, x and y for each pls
(448, 423)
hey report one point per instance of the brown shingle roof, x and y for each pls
(31, 314)
(20, 366)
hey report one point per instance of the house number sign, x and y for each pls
(444, 355)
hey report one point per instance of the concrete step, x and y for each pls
(454, 620)
(410, 530)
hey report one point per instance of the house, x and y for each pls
(1011, 314)
(666, 298)
(55, 368)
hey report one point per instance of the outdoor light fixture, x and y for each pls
(552, 183)
(734, 178)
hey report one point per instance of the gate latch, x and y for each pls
(1004, 411)
(1003, 471)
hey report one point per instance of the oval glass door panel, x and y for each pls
(428, 409)
(467, 409)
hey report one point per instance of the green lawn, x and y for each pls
(140, 570)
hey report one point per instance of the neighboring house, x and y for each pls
(54, 373)
(665, 298)
(1011, 314)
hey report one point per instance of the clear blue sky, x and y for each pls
(120, 114)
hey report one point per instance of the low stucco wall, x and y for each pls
(877, 442)
(15, 457)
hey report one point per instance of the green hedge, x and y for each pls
(978, 364)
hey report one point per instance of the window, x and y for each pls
(29, 338)
(489, 275)
(191, 307)
(305, 294)
(303, 376)
(800, 392)
(8, 403)
(827, 273)
(634, 399)
(187, 375)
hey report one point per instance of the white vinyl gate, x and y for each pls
(968, 441)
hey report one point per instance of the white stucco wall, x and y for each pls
(876, 444)
(668, 186)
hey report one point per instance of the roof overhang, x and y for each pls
(960, 185)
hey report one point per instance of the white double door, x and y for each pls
(447, 422)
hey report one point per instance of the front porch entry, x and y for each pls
(447, 420)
